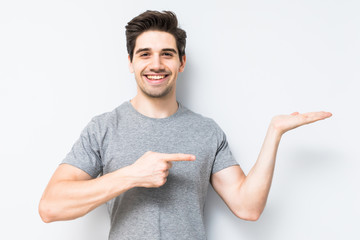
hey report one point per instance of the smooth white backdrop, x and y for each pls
(63, 62)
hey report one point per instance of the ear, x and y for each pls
(182, 66)
(131, 68)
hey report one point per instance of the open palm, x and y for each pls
(284, 123)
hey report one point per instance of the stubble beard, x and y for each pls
(161, 94)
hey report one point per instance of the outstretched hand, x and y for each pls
(284, 123)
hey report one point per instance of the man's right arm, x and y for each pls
(72, 193)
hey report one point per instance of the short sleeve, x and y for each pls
(85, 153)
(223, 155)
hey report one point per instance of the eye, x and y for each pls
(144, 54)
(167, 54)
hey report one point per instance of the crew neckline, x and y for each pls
(180, 108)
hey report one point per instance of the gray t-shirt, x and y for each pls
(175, 210)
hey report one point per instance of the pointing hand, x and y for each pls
(152, 168)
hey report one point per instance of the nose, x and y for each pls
(156, 64)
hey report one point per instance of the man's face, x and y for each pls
(156, 63)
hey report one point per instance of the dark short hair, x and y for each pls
(154, 20)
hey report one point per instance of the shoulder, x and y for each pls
(102, 122)
(202, 122)
(112, 116)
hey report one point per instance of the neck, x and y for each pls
(155, 107)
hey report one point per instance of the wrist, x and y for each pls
(127, 177)
(275, 132)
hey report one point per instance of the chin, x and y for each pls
(161, 94)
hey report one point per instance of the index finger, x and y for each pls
(173, 157)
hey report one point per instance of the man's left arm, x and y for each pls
(246, 195)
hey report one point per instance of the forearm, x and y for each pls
(254, 190)
(70, 199)
(246, 196)
(72, 193)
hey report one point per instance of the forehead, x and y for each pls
(156, 40)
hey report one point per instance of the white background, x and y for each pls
(63, 62)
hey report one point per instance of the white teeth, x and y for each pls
(155, 77)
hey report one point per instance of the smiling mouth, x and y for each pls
(156, 77)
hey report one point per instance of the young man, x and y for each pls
(151, 159)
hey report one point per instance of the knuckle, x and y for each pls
(160, 182)
(163, 167)
(163, 181)
(146, 154)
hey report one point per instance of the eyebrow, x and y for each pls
(169, 50)
(148, 49)
(142, 50)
